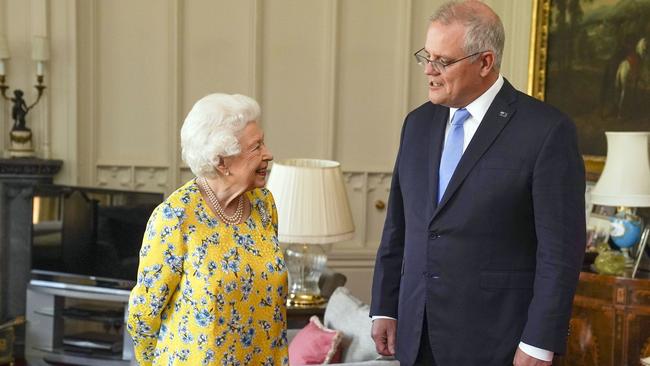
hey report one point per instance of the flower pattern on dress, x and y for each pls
(208, 293)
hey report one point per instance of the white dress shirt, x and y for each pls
(477, 110)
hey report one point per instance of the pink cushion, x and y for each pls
(314, 345)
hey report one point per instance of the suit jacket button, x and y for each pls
(434, 235)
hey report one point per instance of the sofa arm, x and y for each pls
(371, 363)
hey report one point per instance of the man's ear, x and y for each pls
(487, 63)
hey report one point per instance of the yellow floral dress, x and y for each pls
(209, 293)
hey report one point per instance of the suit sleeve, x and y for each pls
(161, 265)
(558, 188)
(388, 264)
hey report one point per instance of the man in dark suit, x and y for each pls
(485, 228)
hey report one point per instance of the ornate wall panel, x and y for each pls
(218, 39)
(86, 93)
(142, 178)
(154, 179)
(368, 195)
(355, 183)
(378, 190)
(114, 176)
(296, 76)
(370, 82)
(62, 93)
(133, 88)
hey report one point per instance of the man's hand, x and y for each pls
(523, 359)
(383, 333)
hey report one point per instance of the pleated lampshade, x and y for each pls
(311, 200)
(625, 180)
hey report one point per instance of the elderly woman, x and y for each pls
(212, 282)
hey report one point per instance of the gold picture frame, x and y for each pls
(537, 72)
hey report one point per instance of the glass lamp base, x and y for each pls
(305, 300)
(305, 263)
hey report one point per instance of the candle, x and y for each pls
(39, 68)
(2, 68)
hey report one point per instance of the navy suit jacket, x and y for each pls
(498, 260)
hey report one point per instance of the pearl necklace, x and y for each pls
(230, 220)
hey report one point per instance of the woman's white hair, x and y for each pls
(211, 129)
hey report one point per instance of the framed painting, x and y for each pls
(589, 58)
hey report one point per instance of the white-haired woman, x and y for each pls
(212, 282)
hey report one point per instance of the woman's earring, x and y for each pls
(227, 172)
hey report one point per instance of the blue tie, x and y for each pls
(452, 151)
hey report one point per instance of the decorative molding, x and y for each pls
(640, 297)
(331, 44)
(40, 27)
(358, 190)
(255, 60)
(152, 179)
(519, 38)
(114, 176)
(39, 18)
(133, 163)
(403, 82)
(347, 178)
(136, 177)
(362, 229)
(343, 260)
(175, 91)
(93, 87)
(364, 190)
(32, 168)
(380, 180)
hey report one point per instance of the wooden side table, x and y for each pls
(610, 323)
(298, 317)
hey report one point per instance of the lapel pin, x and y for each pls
(503, 114)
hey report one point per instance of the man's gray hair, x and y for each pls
(211, 129)
(482, 32)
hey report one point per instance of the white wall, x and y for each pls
(334, 77)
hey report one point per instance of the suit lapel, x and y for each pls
(436, 138)
(500, 112)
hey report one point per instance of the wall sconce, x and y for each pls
(21, 135)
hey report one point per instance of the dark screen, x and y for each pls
(88, 231)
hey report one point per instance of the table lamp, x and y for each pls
(625, 184)
(313, 212)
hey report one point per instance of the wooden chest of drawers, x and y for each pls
(610, 323)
